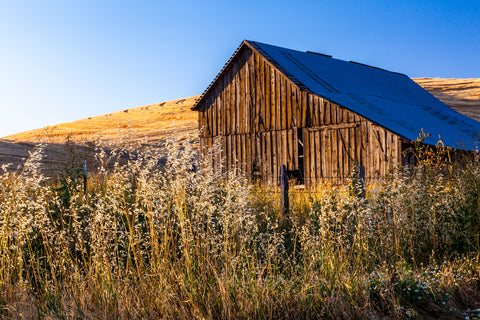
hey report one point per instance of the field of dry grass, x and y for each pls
(150, 125)
(463, 95)
(14, 154)
(153, 123)
(143, 242)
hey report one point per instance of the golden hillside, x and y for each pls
(463, 95)
(153, 122)
(150, 125)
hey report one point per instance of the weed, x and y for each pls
(177, 239)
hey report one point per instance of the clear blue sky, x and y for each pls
(63, 60)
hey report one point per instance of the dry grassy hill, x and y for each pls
(146, 125)
(463, 95)
(153, 123)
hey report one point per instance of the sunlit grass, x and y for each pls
(180, 241)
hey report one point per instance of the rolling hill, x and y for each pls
(153, 122)
(463, 95)
(150, 124)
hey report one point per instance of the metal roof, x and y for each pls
(387, 98)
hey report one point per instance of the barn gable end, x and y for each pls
(265, 116)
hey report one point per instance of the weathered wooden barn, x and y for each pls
(318, 115)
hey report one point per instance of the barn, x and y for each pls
(318, 116)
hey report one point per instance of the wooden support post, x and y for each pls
(284, 190)
(85, 176)
(361, 180)
(285, 223)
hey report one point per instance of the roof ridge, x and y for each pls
(277, 65)
(320, 54)
(373, 67)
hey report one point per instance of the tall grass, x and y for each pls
(182, 241)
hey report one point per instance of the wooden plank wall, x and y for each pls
(252, 96)
(332, 151)
(259, 116)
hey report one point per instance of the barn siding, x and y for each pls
(260, 115)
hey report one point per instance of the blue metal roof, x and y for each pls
(390, 99)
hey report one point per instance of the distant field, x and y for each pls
(463, 95)
(153, 123)
(147, 125)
